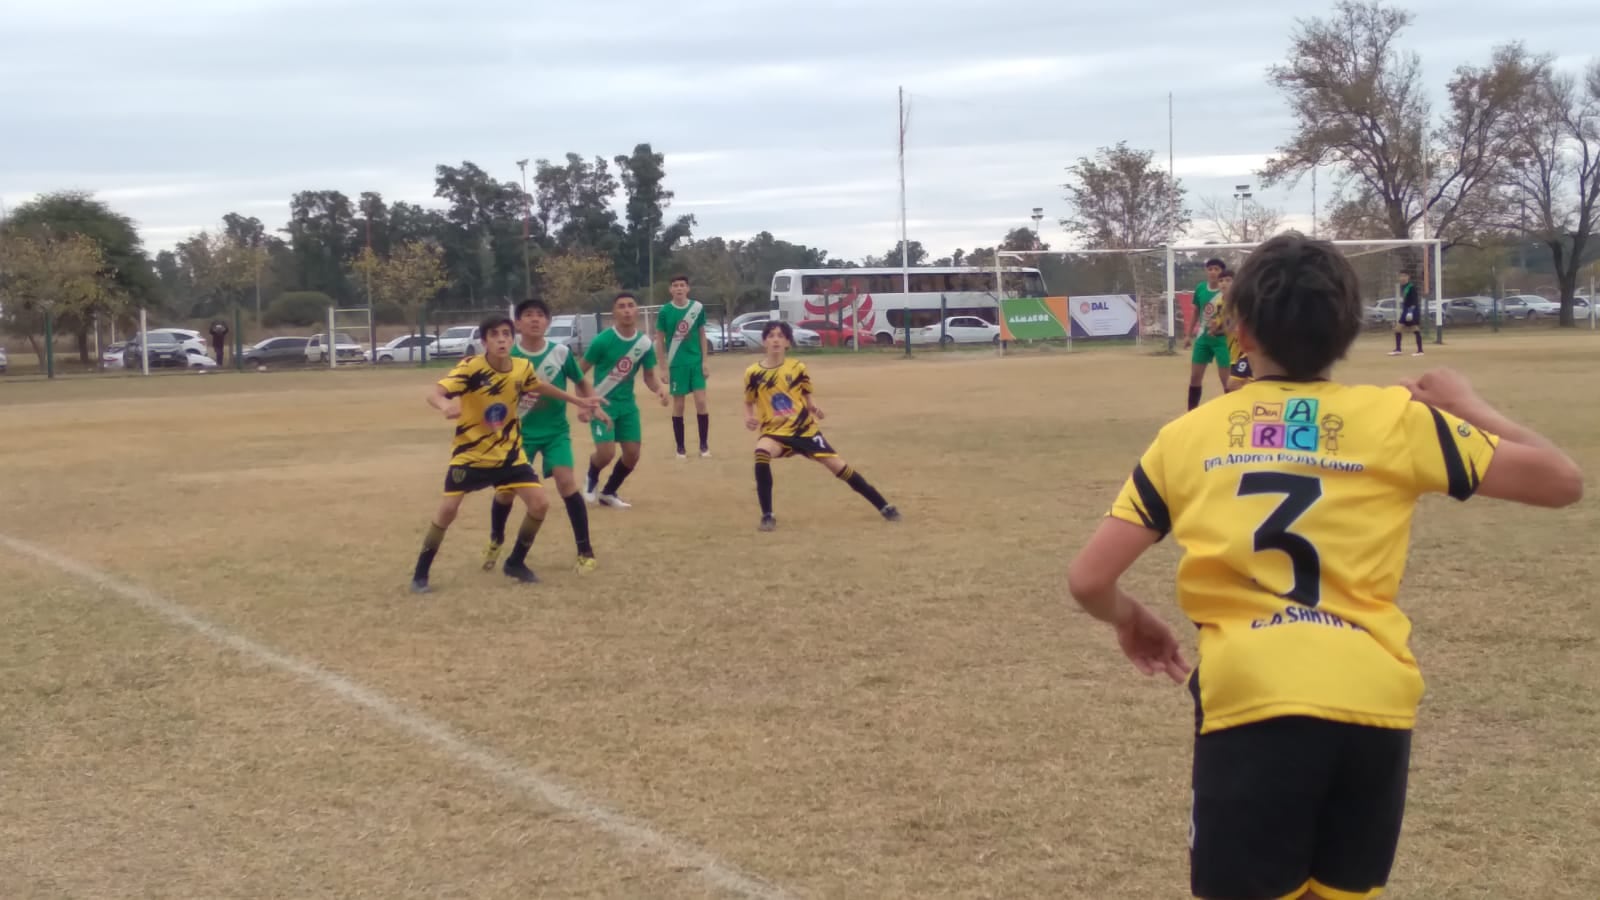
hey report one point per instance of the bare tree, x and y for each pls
(1121, 200)
(1234, 222)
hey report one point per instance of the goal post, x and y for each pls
(339, 343)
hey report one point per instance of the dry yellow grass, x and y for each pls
(844, 708)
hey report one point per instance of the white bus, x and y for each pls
(877, 302)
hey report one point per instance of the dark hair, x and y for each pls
(677, 278)
(625, 295)
(530, 303)
(778, 325)
(1213, 261)
(1226, 273)
(493, 322)
(1301, 300)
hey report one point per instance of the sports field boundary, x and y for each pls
(633, 835)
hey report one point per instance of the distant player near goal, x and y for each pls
(681, 349)
(778, 403)
(1410, 317)
(617, 356)
(1210, 346)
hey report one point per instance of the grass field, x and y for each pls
(844, 708)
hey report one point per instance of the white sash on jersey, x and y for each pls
(550, 367)
(686, 325)
(619, 373)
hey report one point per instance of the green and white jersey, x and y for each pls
(616, 361)
(683, 327)
(1206, 307)
(557, 365)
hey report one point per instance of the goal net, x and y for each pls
(1379, 265)
(346, 340)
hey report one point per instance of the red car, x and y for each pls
(835, 335)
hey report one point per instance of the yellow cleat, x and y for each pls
(491, 555)
(587, 564)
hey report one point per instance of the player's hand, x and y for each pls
(589, 404)
(1445, 389)
(451, 408)
(666, 398)
(1150, 643)
(584, 416)
(817, 411)
(705, 371)
(1188, 342)
(750, 423)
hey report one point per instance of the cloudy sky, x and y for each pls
(773, 115)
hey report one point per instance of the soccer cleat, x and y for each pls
(890, 514)
(590, 485)
(1418, 353)
(681, 454)
(705, 452)
(491, 555)
(768, 523)
(420, 586)
(521, 573)
(587, 564)
(1394, 352)
(613, 501)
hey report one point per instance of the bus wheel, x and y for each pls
(883, 340)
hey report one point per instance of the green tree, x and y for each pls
(645, 248)
(321, 233)
(482, 239)
(571, 278)
(1120, 200)
(63, 275)
(915, 255)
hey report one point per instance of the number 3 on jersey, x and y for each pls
(1300, 492)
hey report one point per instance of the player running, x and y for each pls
(545, 431)
(778, 402)
(1209, 344)
(682, 348)
(1292, 500)
(481, 395)
(1410, 317)
(621, 352)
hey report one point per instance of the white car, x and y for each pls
(408, 348)
(957, 330)
(193, 341)
(1528, 306)
(803, 337)
(344, 345)
(3, 361)
(460, 340)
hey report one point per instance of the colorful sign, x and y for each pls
(1049, 318)
(1033, 319)
(1104, 315)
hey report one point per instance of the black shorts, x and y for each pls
(466, 479)
(1293, 803)
(1241, 368)
(813, 447)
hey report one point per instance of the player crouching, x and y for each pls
(778, 403)
(482, 395)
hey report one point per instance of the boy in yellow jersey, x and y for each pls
(483, 396)
(1292, 500)
(778, 403)
(1239, 373)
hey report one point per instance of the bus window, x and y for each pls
(780, 284)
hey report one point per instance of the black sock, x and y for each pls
(525, 536)
(1419, 340)
(594, 476)
(499, 514)
(1397, 342)
(764, 481)
(859, 485)
(704, 421)
(430, 546)
(618, 476)
(677, 431)
(1194, 395)
(578, 512)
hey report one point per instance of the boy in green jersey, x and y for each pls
(617, 355)
(681, 349)
(545, 432)
(1205, 336)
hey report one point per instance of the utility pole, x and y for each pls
(527, 232)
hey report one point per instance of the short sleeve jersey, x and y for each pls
(488, 433)
(782, 398)
(1292, 503)
(676, 327)
(616, 361)
(556, 364)
(1206, 306)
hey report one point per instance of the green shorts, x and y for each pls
(624, 427)
(556, 449)
(686, 378)
(1210, 348)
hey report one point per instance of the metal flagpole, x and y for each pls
(905, 245)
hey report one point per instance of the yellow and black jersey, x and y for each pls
(1292, 502)
(782, 398)
(489, 432)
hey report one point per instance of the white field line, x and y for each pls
(634, 836)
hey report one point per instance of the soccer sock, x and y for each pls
(1194, 395)
(499, 514)
(704, 421)
(1397, 341)
(594, 475)
(764, 481)
(859, 485)
(677, 431)
(525, 536)
(430, 546)
(618, 476)
(578, 512)
(1419, 340)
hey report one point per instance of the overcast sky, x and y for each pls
(774, 116)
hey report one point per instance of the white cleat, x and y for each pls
(1418, 353)
(705, 453)
(613, 501)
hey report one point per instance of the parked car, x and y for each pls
(1468, 310)
(836, 335)
(192, 341)
(277, 351)
(574, 331)
(3, 361)
(344, 345)
(111, 355)
(164, 350)
(1528, 306)
(957, 330)
(460, 340)
(408, 348)
(803, 337)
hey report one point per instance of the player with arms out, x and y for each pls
(779, 404)
(682, 348)
(545, 432)
(1410, 317)
(1205, 334)
(619, 354)
(481, 395)
(1292, 501)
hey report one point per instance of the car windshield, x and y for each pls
(464, 331)
(559, 330)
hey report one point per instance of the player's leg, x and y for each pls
(1359, 825)
(449, 505)
(1398, 331)
(1253, 823)
(499, 515)
(833, 462)
(1417, 333)
(702, 410)
(1224, 361)
(605, 450)
(629, 437)
(1199, 357)
(558, 465)
(679, 390)
(536, 506)
(767, 450)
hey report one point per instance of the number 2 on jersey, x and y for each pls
(1300, 492)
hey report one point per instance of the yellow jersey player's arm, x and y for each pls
(445, 395)
(534, 385)
(752, 394)
(802, 383)
(1461, 446)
